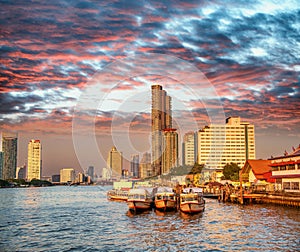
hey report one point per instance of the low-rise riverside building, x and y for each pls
(258, 173)
(286, 171)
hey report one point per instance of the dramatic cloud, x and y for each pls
(51, 50)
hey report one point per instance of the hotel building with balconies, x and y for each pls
(233, 142)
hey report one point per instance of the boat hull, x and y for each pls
(138, 206)
(165, 205)
(192, 207)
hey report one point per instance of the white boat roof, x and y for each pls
(138, 191)
(193, 190)
(164, 189)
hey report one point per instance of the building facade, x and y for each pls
(170, 150)
(188, 149)
(134, 166)
(8, 155)
(233, 142)
(161, 119)
(91, 172)
(145, 166)
(115, 162)
(34, 160)
(286, 171)
(67, 175)
(21, 172)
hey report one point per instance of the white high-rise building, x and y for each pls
(34, 160)
(219, 145)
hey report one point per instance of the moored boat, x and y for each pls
(191, 200)
(120, 190)
(118, 194)
(140, 199)
(165, 199)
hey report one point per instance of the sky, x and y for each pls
(77, 74)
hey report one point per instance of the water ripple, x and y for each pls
(81, 219)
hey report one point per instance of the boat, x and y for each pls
(165, 199)
(118, 194)
(140, 199)
(191, 200)
(120, 190)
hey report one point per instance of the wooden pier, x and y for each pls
(292, 200)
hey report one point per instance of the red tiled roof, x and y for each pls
(260, 167)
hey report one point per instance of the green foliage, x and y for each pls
(180, 170)
(231, 171)
(186, 169)
(4, 183)
(197, 168)
(37, 182)
(18, 181)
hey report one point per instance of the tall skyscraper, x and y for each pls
(115, 162)
(134, 165)
(34, 160)
(170, 150)
(188, 149)
(8, 155)
(161, 119)
(222, 144)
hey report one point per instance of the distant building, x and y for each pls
(34, 160)
(8, 155)
(134, 165)
(145, 166)
(80, 178)
(233, 142)
(286, 171)
(67, 175)
(115, 162)
(21, 172)
(55, 178)
(170, 150)
(106, 173)
(91, 172)
(188, 149)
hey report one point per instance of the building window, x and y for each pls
(282, 168)
(295, 185)
(291, 167)
(286, 186)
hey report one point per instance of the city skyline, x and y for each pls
(50, 53)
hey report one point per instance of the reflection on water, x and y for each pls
(82, 219)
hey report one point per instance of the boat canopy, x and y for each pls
(164, 189)
(192, 190)
(140, 191)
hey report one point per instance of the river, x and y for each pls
(80, 218)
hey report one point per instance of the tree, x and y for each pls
(231, 171)
(197, 168)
